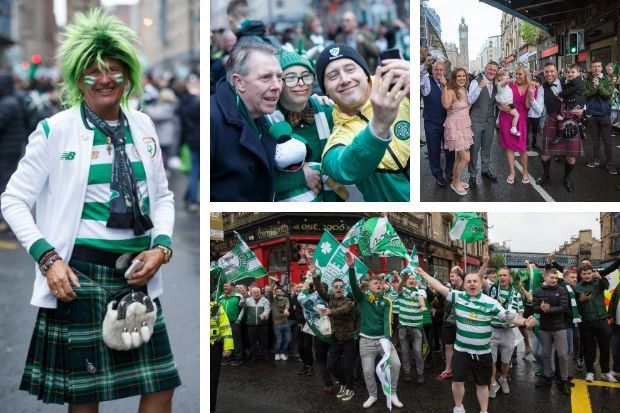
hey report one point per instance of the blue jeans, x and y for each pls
(434, 141)
(191, 196)
(615, 346)
(292, 345)
(283, 336)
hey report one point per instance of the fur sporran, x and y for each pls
(129, 321)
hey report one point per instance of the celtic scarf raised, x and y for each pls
(573, 305)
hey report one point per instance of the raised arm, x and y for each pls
(433, 283)
(316, 280)
(355, 288)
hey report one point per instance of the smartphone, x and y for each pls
(136, 265)
(389, 54)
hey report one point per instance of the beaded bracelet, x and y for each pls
(43, 267)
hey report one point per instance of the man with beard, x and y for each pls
(369, 145)
(242, 151)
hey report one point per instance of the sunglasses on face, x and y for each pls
(338, 287)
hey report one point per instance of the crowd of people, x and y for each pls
(307, 116)
(563, 320)
(558, 110)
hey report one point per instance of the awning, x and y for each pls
(541, 13)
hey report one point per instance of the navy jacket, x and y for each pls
(433, 109)
(241, 164)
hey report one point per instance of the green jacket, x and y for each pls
(379, 168)
(253, 309)
(278, 305)
(232, 306)
(605, 87)
(594, 308)
(376, 310)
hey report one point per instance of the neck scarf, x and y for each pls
(124, 197)
(573, 305)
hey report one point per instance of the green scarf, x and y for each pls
(258, 125)
(573, 305)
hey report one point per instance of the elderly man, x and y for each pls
(434, 116)
(481, 96)
(256, 316)
(369, 145)
(569, 148)
(242, 152)
(360, 40)
(599, 88)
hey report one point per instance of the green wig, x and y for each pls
(93, 38)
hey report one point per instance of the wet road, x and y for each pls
(276, 387)
(181, 280)
(591, 184)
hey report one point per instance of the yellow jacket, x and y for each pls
(220, 327)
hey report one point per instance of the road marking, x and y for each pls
(541, 191)
(580, 398)
(8, 245)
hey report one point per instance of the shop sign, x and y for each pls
(271, 231)
(319, 227)
(550, 51)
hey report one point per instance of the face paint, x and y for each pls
(119, 78)
(89, 80)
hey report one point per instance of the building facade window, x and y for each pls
(278, 259)
(440, 268)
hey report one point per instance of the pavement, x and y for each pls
(180, 301)
(275, 387)
(591, 184)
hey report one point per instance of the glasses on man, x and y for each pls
(338, 287)
(293, 80)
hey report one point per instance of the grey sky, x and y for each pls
(60, 8)
(540, 232)
(483, 21)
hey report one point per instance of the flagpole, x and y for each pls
(464, 257)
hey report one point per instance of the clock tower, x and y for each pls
(463, 48)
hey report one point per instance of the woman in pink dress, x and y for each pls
(458, 135)
(523, 95)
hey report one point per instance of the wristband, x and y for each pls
(48, 260)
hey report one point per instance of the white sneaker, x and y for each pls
(610, 377)
(348, 395)
(458, 409)
(371, 400)
(590, 377)
(395, 402)
(503, 382)
(341, 391)
(283, 357)
(277, 357)
(493, 388)
(615, 373)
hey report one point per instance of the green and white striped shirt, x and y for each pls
(509, 299)
(393, 294)
(411, 312)
(473, 321)
(92, 230)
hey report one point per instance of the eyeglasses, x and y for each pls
(293, 80)
(338, 287)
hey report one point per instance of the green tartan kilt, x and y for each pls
(67, 340)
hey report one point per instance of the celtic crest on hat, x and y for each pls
(335, 51)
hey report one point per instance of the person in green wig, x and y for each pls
(96, 175)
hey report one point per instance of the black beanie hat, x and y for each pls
(334, 52)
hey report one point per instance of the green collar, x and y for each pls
(254, 124)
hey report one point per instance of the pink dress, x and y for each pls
(458, 135)
(506, 139)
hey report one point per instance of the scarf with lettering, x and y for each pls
(573, 305)
(124, 196)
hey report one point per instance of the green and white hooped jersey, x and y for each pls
(411, 313)
(473, 321)
(92, 231)
(510, 300)
(393, 294)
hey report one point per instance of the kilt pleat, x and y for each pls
(68, 362)
(571, 147)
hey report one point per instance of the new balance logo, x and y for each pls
(67, 156)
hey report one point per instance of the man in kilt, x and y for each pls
(96, 175)
(570, 147)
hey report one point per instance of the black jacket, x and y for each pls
(242, 165)
(573, 93)
(13, 132)
(557, 297)
(255, 31)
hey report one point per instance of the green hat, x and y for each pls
(288, 59)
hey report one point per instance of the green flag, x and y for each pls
(329, 258)
(377, 237)
(240, 262)
(467, 226)
(353, 236)
(413, 262)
